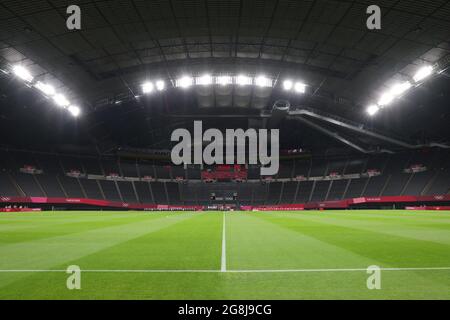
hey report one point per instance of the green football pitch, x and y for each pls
(215, 255)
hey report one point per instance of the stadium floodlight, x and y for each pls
(22, 73)
(74, 110)
(184, 82)
(204, 80)
(263, 81)
(224, 80)
(148, 87)
(288, 85)
(372, 110)
(400, 88)
(300, 87)
(160, 85)
(45, 88)
(61, 100)
(242, 80)
(422, 73)
(386, 98)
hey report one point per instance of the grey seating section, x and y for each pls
(245, 193)
(396, 184)
(274, 192)
(110, 166)
(253, 172)
(320, 190)
(127, 191)
(71, 186)
(260, 193)
(304, 191)
(189, 194)
(285, 170)
(417, 183)
(173, 191)
(159, 192)
(28, 185)
(163, 172)
(375, 186)
(143, 191)
(440, 184)
(91, 188)
(337, 166)
(178, 172)
(146, 169)
(319, 167)
(355, 188)
(51, 185)
(110, 190)
(194, 172)
(337, 189)
(129, 169)
(7, 187)
(289, 189)
(92, 165)
(301, 168)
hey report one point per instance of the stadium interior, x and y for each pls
(128, 79)
(92, 91)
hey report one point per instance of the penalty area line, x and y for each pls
(229, 271)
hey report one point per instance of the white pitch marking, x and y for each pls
(230, 271)
(223, 265)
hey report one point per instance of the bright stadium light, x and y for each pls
(224, 80)
(263, 81)
(423, 73)
(386, 98)
(288, 85)
(300, 87)
(22, 73)
(45, 88)
(204, 80)
(400, 88)
(148, 87)
(242, 80)
(372, 110)
(160, 85)
(61, 100)
(74, 110)
(184, 82)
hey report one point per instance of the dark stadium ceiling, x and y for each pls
(325, 44)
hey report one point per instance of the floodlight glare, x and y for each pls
(400, 88)
(224, 80)
(204, 80)
(147, 87)
(61, 100)
(262, 81)
(372, 110)
(160, 85)
(423, 73)
(300, 87)
(184, 82)
(288, 85)
(22, 73)
(386, 98)
(242, 80)
(45, 88)
(74, 110)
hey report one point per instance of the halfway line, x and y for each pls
(229, 271)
